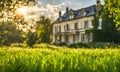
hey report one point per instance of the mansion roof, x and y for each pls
(76, 14)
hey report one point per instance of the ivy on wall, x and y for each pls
(109, 32)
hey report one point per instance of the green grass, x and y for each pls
(48, 58)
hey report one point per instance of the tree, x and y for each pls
(109, 32)
(9, 11)
(9, 34)
(42, 34)
(113, 7)
(44, 30)
(31, 38)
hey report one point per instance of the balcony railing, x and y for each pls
(71, 31)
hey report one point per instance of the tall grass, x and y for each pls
(53, 59)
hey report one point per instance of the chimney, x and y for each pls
(67, 9)
(98, 2)
(98, 5)
(59, 13)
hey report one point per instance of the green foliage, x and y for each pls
(94, 45)
(44, 30)
(109, 32)
(42, 34)
(9, 34)
(113, 6)
(9, 11)
(9, 4)
(60, 43)
(78, 45)
(31, 38)
(103, 45)
(59, 60)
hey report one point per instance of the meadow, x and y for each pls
(49, 58)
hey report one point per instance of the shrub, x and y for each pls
(102, 45)
(60, 43)
(78, 45)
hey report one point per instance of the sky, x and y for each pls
(51, 8)
(48, 8)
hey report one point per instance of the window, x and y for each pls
(90, 24)
(76, 26)
(81, 25)
(66, 27)
(67, 38)
(89, 37)
(82, 37)
(85, 24)
(84, 13)
(56, 39)
(71, 16)
(59, 28)
(60, 38)
(55, 29)
(73, 38)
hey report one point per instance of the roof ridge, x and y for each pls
(85, 7)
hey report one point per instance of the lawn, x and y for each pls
(48, 58)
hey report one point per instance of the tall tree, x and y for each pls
(44, 30)
(9, 34)
(9, 11)
(113, 6)
(42, 34)
(109, 32)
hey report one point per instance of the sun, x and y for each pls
(21, 11)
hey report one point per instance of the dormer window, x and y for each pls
(71, 14)
(84, 13)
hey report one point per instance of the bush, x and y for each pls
(18, 45)
(60, 43)
(32, 37)
(78, 45)
(103, 45)
(95, 45)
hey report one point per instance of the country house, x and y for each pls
(71, 27)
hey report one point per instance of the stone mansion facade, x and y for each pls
(71, 27)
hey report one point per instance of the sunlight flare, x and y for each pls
(22, 10)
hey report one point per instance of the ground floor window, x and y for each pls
(60, 38)
(73, 38)
(82, 37)
(56, 38)
(66, 38)
(89, 37)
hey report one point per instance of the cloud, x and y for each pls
(51, 10)
(31, 14)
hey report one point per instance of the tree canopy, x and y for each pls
(113, 6)
(109, 32)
